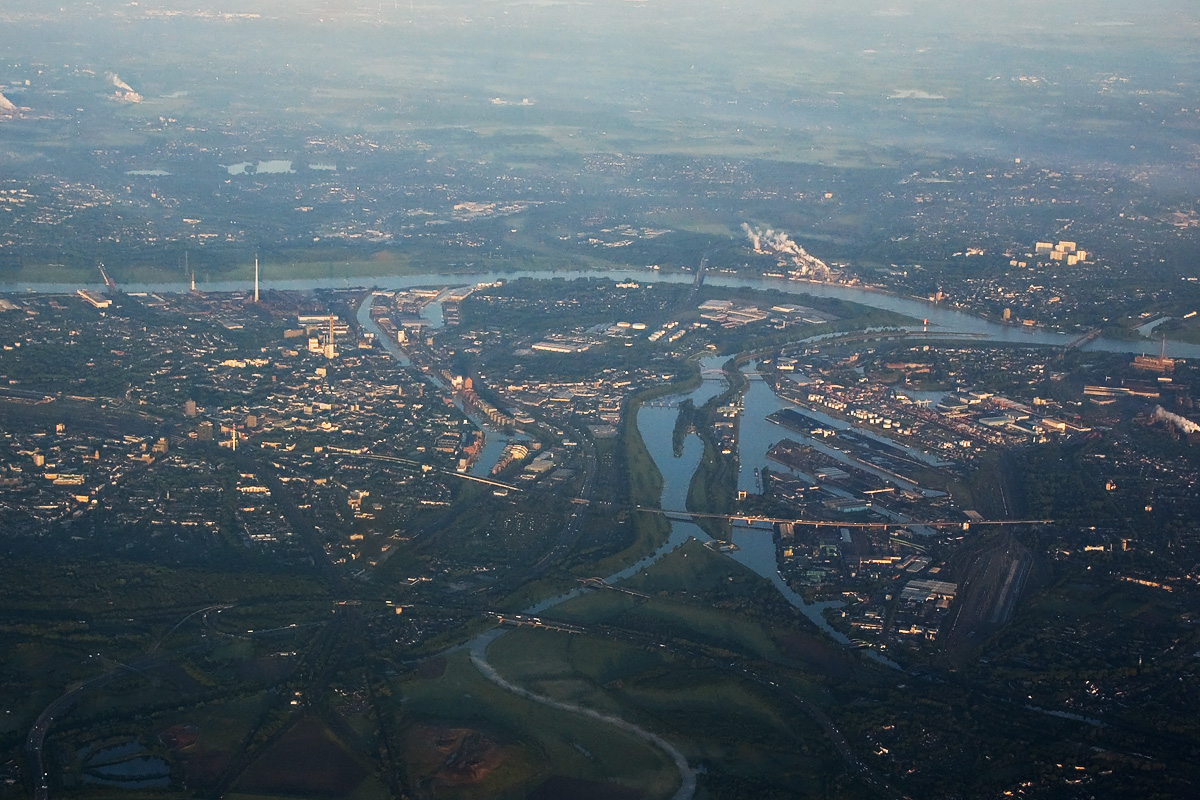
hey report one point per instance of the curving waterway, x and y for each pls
(494, 441)
(656, 423)
(755, 543)
(687, 775)
(940, 318)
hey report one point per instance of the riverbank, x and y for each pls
(940, 318)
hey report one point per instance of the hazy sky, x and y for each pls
(964, 74)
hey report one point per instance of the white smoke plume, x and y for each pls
(788, 252)
(124, 92)
(117, 82)
(1182, 424)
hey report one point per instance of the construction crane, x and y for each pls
(109, 282)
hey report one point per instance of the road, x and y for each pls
(569, 531)
(36, 741)
(898, 520)
(834, 735)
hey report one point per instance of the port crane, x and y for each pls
(108, 282)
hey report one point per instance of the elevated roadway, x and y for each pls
(828, 523)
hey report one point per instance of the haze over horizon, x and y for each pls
(1074, 84)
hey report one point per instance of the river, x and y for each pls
(755, 543)
(940, 318)
(656, 423)
(494, 441)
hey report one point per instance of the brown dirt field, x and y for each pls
(456, 756)
(559, 787)
(305, 761)
(178, 737)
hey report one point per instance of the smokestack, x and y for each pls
(256, 279)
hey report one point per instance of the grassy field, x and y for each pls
(538, 741)
(645, 482)
(739, 732)
(714, 484)
(610, 676)
(698, 594)
(712, 489)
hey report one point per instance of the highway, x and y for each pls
(831, 523)
(833, 734)
(36, 741)
(418, 466)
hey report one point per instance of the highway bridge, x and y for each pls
(528, 621)
(827, 523)
(1080, 341)
(600, 583)
(418, 466)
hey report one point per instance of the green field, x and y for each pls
(644, 482)
(693, 571)
(538, 741)
(739, 733)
